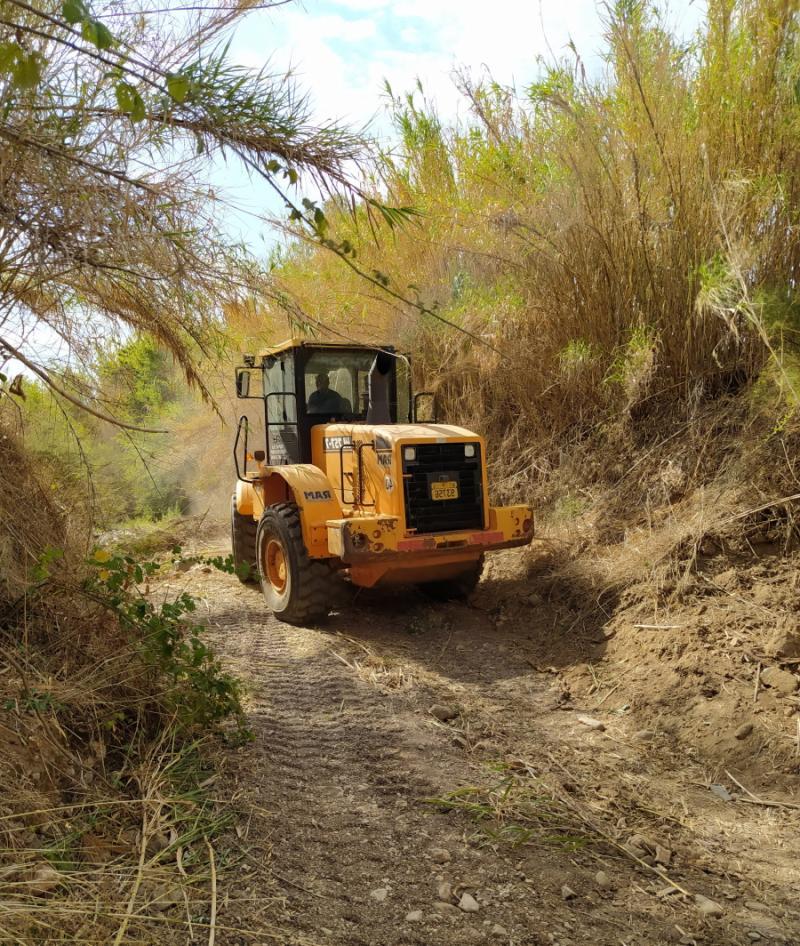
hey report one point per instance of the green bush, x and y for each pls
(198, 691)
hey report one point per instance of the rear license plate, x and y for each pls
(448, 489)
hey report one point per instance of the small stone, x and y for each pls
(643, 843)
(498, 931)
(663, 855)
(567, 893)
(444, 891)
(447, 908)
(44, 880)
(468, 903)
(727, 579)
(784, 641)
(156, 842)
(602, 880)
(164, 896)
(643, 735)
(755, 905)
(720, 791)
(744, 731)
(379, 894)
(783, 681)
(443, 713)
(707, 907)
(414, 916)
(753, 936)
(459, 741)
(595, 724)
(440, 855)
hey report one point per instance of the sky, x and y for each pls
(343, 51)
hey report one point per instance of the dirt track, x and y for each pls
(342, 843)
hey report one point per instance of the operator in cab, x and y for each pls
(325, 400)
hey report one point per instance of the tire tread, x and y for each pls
(318, 586)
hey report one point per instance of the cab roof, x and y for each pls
(313, 343)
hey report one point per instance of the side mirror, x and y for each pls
(242, 382)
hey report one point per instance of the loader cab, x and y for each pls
(304, 384)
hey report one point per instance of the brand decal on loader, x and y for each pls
(385, 459)
(335, 444)
(317, 495)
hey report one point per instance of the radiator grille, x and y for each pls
(436, 462)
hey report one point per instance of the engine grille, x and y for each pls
(436, 462)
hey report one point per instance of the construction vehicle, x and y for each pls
(353, 486)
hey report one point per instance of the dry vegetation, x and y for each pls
(617, 261)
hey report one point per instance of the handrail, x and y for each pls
(360, 451)
(278, 423)
(341, 471)
(243, 422)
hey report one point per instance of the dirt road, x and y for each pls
(420, 775)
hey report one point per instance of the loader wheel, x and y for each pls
(457, 588)
(298, 589)
(243, 544)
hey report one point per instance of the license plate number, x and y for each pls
(445, 490)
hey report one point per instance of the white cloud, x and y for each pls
(341, 51)
(332, 26)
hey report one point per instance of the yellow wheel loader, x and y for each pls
(351, 484)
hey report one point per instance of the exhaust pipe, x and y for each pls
(378, 389)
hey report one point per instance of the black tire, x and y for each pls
(243, 544)
(311, 587)
(457, 588)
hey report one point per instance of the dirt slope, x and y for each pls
(343, 841)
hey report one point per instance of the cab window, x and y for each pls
(336, 383)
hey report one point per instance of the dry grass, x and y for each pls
(624, 245)
(104, 818)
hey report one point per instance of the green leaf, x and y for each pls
(9, 53)
(178, 87)
(139, 112)
(130, 102)
(27, 71)
(124, 92)
(93, 31)
(74, 11)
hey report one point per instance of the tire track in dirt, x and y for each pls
(334, 787)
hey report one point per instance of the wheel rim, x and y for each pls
(275, 565)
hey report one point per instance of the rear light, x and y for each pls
(469, 449)
(409, 453)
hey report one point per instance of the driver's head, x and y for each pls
(323, 381)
